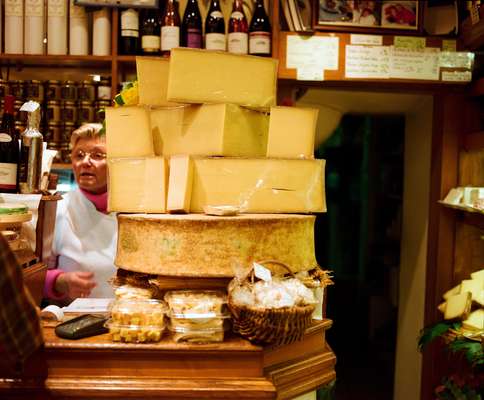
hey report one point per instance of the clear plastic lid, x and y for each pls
(199, 316)
(210, 303)
(196, 330)
(138, 312)
(129, 292)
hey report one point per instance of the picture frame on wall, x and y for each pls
(367, 15)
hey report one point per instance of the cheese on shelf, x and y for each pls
(259, 185)
(201, 76)
(210, 130)
(475, 321)
(180, 184)
(198, 245)
(476, 288)
(128, 132)
(458, 306)
(291, 132)
(451, 292)
(137, 184)
(153, 80)
(478, 275)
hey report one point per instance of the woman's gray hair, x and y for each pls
(90, 130)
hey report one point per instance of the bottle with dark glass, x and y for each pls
(170, 27)
(150, 31)
(192, 26)
(9, 148)
(129, 32)
(260, 31)
(215, 28)
(238, 38)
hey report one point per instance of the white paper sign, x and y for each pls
(310, 73)
(367, 62)
(457, 76)
(262, 272)
(409, 42)
(453, 59)
(314, 51)
(415, 64)
(373, 40)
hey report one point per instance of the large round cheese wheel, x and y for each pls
(199, 245)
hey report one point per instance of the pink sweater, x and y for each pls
(100, 201)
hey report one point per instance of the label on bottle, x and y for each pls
(170, 37)
(8, 176)
(129, 33)
(57, 8)
(237, 15)
(238, 42)
(150, 43)
(13, 8)
(130, 20)
(5, 138)
(194, 38)
(215, 41)
(34, 8)
(259, 42)
(216, 14)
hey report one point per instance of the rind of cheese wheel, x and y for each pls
(458, 306)
(200, 245)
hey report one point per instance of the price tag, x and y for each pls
(262, 272)
(407, 42)
(457, 76)
(449, 45)
(310, 73)
(372, 40)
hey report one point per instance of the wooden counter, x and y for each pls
(96, 368)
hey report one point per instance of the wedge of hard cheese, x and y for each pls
(458, 306)
(199, 245)
(128, 132)
(475, 321)
(201, 76)
(180, 184)
(153, 81)
(137, 184)
(291, 132)
(209, 130)
(259, 185)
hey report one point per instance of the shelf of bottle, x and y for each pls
(56, 60)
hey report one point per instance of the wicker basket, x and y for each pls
(270, 326)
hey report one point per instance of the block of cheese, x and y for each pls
(475, 321)
(472, 194)
(153, 81)
(458, 306)
(451, 292)
(478, 275)
(201, 76)
(200, 245)
(128, 132)
(137, 184)
(259, 185)
(180, 184)
(291, 132)
(476, 288)
(210, 130)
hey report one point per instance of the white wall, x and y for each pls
(418, 132)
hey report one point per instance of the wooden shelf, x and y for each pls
(473, 141)
(468, 216)
(56, 61)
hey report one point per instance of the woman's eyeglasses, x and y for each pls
(94, 156)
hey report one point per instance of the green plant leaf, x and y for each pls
(429, 334)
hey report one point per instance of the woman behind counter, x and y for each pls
(84, 245)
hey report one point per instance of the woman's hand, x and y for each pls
(75, 284)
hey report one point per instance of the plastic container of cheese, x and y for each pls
(135, 333)
(190, 303)
(138, 312)
(197, 334)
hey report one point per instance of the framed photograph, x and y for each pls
(367, 14)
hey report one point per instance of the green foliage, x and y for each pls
(471, 349)
(429, 334)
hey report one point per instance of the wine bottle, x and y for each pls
(238, 30)
(215, 28)
(170, 27)
(260, 31)
(30, 165)
(9, 148)
(129, 38)
(192, 26)
(150, 31)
